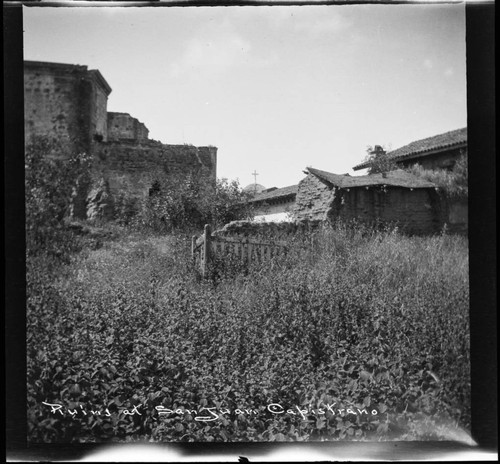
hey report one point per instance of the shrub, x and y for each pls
(53, 175)
(454, 183)
(178, 203)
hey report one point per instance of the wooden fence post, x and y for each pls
(206, 249)
(193, 247)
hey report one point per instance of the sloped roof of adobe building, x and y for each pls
(279, 193)
(396, 178)
(437, 143)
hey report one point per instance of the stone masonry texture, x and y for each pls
(69, 103)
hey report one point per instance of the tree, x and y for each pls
(379, 160)
(52, 177)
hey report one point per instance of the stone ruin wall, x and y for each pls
(122, 126)
(99, 112)
(131, 167)
(64, 101)
(69, 102)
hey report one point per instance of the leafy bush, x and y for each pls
(178, 203)
(355, 320)
(454, 183)
(227, 203)
(53, 175)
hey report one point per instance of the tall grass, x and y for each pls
(368, 320)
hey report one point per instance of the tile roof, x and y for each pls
(422, 147)
(397, 178)
(291, 190)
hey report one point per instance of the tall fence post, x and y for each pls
(206, 249)
(193, 248)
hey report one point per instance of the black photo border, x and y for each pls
(480, 35)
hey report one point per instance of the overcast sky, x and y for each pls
(276, 89)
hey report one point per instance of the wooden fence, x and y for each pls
(207, 247)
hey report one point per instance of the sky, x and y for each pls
(275, 89)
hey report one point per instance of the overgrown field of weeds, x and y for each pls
(365, 336)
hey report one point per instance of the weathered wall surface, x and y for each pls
(67, 102)
(49, 104)
(123, 126)
(274, 207)
(99, 114)
(418, 211)
(454, 213)
(313, 199)
(415, 211)
(130, 168)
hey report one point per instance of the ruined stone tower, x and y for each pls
(66, 101)
(70, 102)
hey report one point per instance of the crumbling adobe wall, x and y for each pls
(130, 167)
(416, 211)
(313, 199)
(413, 211)
(265, 230)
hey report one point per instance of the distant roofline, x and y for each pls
(282, 192)
(396, 178)
(420, 152)
(416, 154)
(95, 73)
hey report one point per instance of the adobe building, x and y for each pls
(274, 204)
(437, 152)
(393, 198)
(70, 102)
